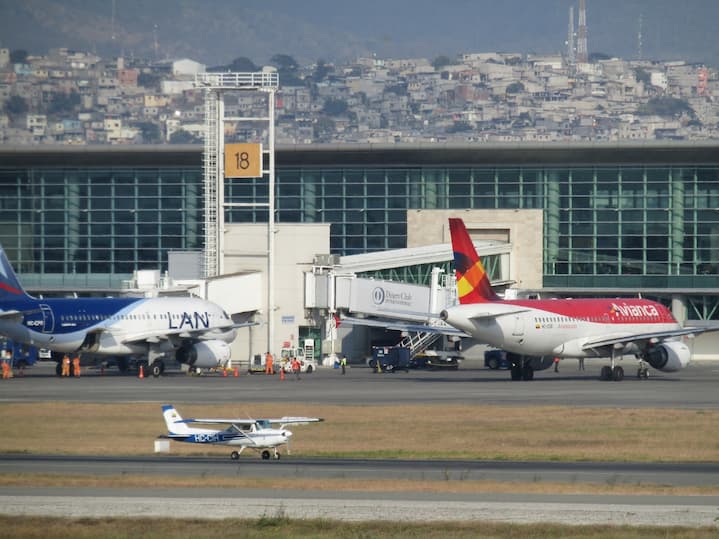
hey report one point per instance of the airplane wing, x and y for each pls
(244, 422)
(12, 316)
(644, 337)
(295, 420)
(504, 312)
(400, 325)
(183, 333)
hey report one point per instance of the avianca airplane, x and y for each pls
(189, 330)
(533, 332)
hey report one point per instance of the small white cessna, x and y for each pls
(257, 434)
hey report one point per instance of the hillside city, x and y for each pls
(76, 97)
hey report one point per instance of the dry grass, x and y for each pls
(403, 431)
(453, 484)
(279, 527)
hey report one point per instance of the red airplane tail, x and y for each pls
(472, 281)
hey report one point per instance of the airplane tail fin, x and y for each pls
(10, 287)
(473, 284)
(173, 420)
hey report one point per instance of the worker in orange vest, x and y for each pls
(5, 370)
(269, 360)
(65, 365)
(296, 367)
(76, 366)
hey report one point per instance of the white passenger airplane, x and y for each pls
(189, 330)
(565, 328)
(256, 434)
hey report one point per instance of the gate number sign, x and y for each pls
(243, 160)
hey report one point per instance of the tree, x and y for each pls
(150, 132)
(18, 56)
(284, 62)
(62, 103)
(515, 88)
(334, 107)
(666, 106)
(641, 75)
(441, 61)
(16, 106)
(184, 137)
(459, 127)
(323, 129)
(148, 80)
(597, 56)
(321, 71)
(242, 63)
(287, 70)
(399, 89)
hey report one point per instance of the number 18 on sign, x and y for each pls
(243, 160)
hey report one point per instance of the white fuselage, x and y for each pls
(523, 329)
(105, 326)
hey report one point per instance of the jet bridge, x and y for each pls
(336, 286)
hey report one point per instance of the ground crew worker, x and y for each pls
(581, 364)
(5, 370)
(296, 367)
(556, 364)
(76, 366)
(343, 363)
(65, 365)
(269, 360)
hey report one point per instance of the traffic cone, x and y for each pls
(236, 373)
(142, 372)
(224, 373)
(282, 373)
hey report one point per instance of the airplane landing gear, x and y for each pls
(615, 373)
(643, 370)
(235, 455)
(520, 369)
(265, 455)
(157, 368)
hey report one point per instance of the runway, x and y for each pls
(602, 473)
(692, 388)
(663, 511)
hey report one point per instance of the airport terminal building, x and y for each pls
(613, 218)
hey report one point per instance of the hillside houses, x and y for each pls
(75, 97)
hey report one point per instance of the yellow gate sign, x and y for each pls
(243, 160)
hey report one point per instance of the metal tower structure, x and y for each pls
(582, 51)
(215, 86)
(571, 57)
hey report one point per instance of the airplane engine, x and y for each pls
(669, 356)
(204, 354)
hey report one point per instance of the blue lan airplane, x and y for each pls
(190, 330)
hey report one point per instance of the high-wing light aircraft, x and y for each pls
(191, 330)
(565, 328)
(257, 434)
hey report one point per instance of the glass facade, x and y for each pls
(622, 222)
(616, 227)
(93, 227)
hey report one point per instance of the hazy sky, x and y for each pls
(215, 31)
